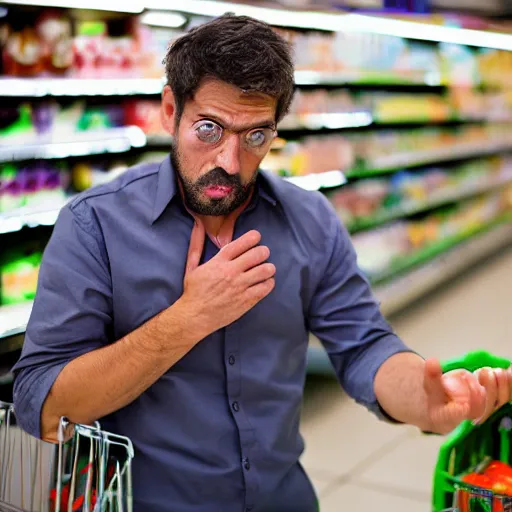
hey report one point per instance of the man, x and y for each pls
(174, 304)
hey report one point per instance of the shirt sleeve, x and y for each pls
(72, 312)
(346, 318)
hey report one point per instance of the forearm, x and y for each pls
(399, 387)
(108, 379)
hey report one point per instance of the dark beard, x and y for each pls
(192, 190)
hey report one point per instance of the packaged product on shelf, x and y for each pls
(19, 270)
(105, 50)
(49, 121)
(90, 174)
(38, 43)
(459, 65)
(55, 32)
(22, 53)
(144, 114)
(310, 156)
(495, 67)
(377, 249)
(39, 185)
(16, 123)
(10, 189)
(85, 175)
(396, 108)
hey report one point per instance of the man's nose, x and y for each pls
(229, 157)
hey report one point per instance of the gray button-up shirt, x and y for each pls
(219, 432)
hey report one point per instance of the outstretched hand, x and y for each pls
(461, 395)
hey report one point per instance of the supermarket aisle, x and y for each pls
(358, 463)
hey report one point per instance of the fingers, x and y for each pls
(195, 248)
(252, 258)
(509, 376)
(497, 388)
(259, 274)
(259, 291)
(503, 387)
(477, 397)
(488, 380)
(433, 381)
(240, 246)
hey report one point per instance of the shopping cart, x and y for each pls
(89, 470)
(470, 448)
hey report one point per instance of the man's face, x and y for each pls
(222, 137)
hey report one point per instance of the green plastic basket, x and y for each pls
(468, 445)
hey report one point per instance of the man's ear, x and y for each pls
(168, 111)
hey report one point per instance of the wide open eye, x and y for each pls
(258, 138)
(209, 132)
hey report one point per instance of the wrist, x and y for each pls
(173, 330)
(188, 318)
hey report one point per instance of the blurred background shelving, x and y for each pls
(403, 120)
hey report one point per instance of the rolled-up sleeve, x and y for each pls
(72, 312)
(346, 318)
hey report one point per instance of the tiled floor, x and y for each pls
(358, 463)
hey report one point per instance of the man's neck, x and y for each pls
(220, 230)
(212, 225)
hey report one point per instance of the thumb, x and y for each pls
(433, 381)
(195, 248)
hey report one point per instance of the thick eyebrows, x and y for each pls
(265, 123)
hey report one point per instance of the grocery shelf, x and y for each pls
(55, 86)
(319, 181)
(429, 252)
(356, 77)
(131, 7)
(112, 140)
(39, 87)
(331, 121)
(364, 119)
(403, 290)
(396, 161)
(31, 217)
(14, 319)
(414, 207)
(400, 292)
(340, 22)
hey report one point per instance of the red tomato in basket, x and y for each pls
(478, 480)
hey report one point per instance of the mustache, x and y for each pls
(220, 177)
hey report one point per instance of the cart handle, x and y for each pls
(473, 361)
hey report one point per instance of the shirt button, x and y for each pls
(247, 464)
(231, 360)
(236, 406)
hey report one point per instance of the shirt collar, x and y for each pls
(167, 188)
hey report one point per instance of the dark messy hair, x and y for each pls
(239, 50)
